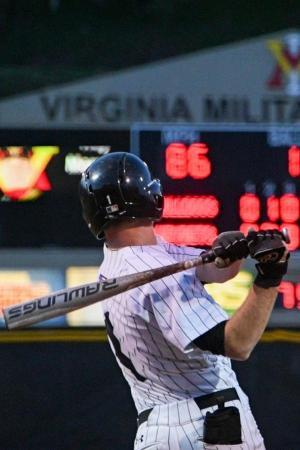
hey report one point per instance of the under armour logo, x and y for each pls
(140, 439)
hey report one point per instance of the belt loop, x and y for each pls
(220, 402)
(143, 416)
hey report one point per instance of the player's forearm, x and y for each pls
(244, 329)
(212, 274)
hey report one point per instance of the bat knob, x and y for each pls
(285, 235)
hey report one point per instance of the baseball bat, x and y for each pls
(67, 300)
(64, 301)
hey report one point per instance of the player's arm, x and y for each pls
(244, 329)
(237, 337)
(230, 247)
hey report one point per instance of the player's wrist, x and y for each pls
(270, 274)
(267, 283)
(265, 295)
(269, 249)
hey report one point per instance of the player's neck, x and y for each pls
(124, 235)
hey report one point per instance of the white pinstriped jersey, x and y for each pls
(151, 328)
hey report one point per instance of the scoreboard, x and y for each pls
(221, 178)
(217, 178)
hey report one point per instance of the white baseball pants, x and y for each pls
(179, 426)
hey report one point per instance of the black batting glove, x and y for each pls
(269, 249)
(229, 247)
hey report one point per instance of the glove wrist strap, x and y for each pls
(267, 283)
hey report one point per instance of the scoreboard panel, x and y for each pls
(218, 178)
(221, 178)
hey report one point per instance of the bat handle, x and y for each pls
(208, 257)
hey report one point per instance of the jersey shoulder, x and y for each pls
(180, 252)
(133, 259)
(149, 257)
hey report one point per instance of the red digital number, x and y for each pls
(249, 208)
(297, 292)
(289, 208)
(290, 294)
(294, 161)
(183, 161)
(273, 208)
(199, 166)
(176, 161)
(286, 288)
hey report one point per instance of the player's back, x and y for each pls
(152, 328)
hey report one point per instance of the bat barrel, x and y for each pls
(55, 304)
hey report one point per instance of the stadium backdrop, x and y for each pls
(214, 178)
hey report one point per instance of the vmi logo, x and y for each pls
(22, 171)
(287, 70)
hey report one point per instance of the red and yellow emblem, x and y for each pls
(22, 171)
(286, 73)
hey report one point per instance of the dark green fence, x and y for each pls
(64, 391)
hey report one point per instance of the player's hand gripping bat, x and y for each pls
(268, 251)
(66, 300)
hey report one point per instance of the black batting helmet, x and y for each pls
(116, 186)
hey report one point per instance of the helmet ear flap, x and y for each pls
(159, 201)
(156, 192)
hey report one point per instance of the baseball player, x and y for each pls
(172, 341)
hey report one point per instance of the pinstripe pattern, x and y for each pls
(155, 325)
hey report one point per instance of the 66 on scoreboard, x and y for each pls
(218, 178)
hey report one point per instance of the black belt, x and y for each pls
(204, 401)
